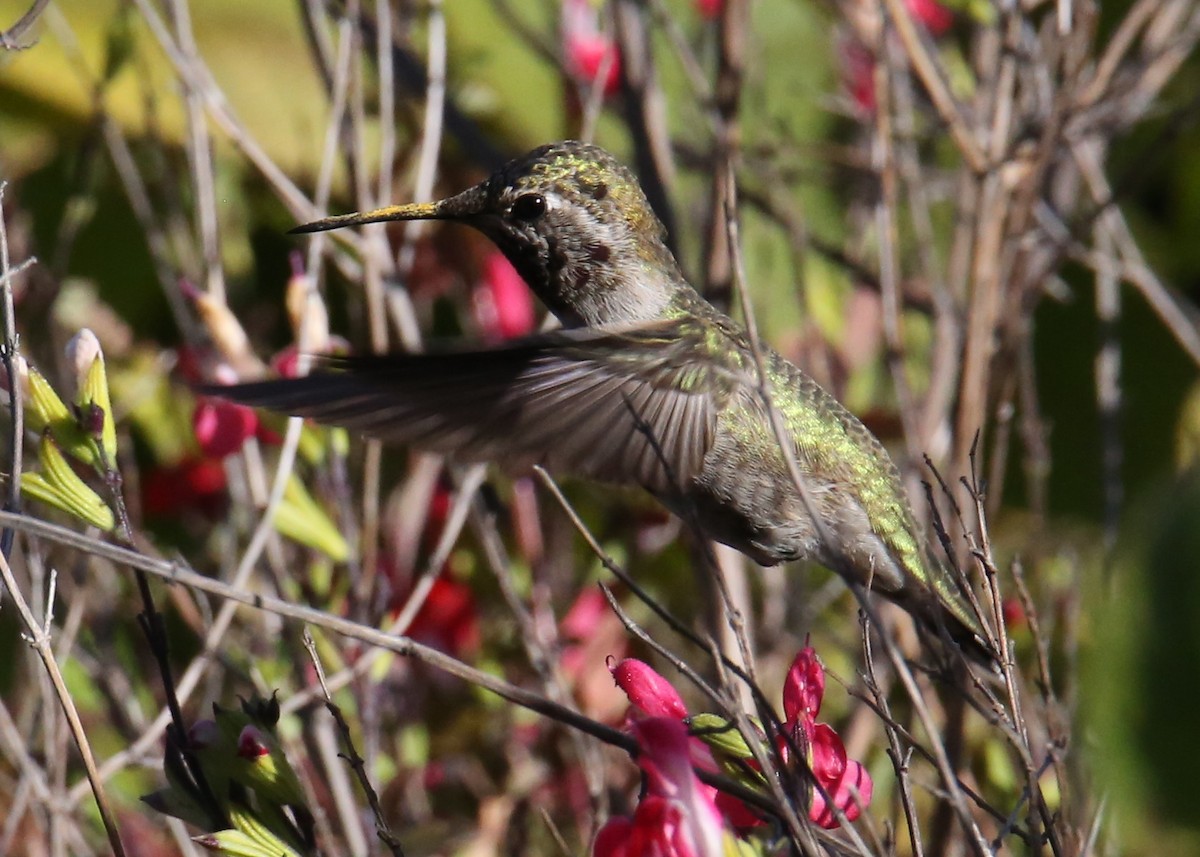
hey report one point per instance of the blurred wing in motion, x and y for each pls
(610, 406)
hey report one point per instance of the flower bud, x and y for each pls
(82, 352)
(92, 399)
(251, 744)
(203, 734)
(226, 331)
(648, 690)
(306, 309)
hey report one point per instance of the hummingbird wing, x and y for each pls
(619, 406)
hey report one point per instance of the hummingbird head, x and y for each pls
(574, 222)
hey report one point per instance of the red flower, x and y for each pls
(936, 17)
(648, 691)
(836, 775)
(845, 781)
(194, 483)
(804, 687)
(222, 427)
(502, 302)
(858, 76)
(586, 49)
(1014, 614)
(449, 618)
(841, 783)
(710, 9)
(676, 816)
(286, 361)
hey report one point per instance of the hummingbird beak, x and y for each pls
(458, 207)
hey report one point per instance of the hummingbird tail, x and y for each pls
(945, 622)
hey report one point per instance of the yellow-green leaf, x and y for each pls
(301, 519)
(47, 411)
(60, 486)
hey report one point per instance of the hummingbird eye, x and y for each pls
(529, 207)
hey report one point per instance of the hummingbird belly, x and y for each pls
(745, 497)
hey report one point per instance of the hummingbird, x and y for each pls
(646, 383)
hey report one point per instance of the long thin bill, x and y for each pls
(411, 211)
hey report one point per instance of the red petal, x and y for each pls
(222, 427)
(828, 754)
(251, 744)
(854, 779)
(803, 688)
(285, 362)
(858, 75)
(503, 303)
(587, 54)
(449, 618)
(649, 691)
(613, 838)
(737, 814)
(936, 17)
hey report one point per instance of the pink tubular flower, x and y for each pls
(858, 76)
(845, 781)
(648, 691)
(841, 783)
(222, 427)
(710, 9)
(587, 50)
(502, 302)
(676, 816)
(936, 17)
(449, 618)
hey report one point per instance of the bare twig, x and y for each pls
(38, 636)
(382, 829)
(179, 574)
(10, 356)
(10, 39)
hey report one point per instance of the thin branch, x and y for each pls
(929, 69)
(382, 829)
(177, 573)
(10, 356)
(10, 39)
(38, 637)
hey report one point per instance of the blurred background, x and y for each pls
(972, 222)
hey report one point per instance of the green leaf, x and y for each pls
(301, 519)
(60, 486)
(720, 734)
(235, 843)
(47, 412)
